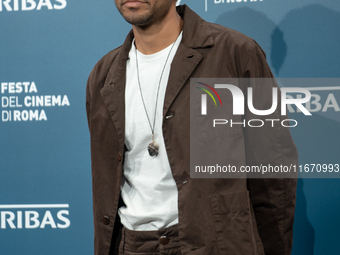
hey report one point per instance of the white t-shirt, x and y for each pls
(148, 188)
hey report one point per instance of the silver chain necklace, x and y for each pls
(153, 147)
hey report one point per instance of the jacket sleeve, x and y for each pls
(272, 199)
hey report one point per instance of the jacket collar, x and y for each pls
(196, 34)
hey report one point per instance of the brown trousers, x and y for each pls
(158, 242)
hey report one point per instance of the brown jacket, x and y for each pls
(216, 216)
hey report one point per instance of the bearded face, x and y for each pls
(144, 13)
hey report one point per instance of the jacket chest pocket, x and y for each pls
(233, 223)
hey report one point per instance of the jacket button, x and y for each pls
(164, 240)
(106, 220)
(119, 157)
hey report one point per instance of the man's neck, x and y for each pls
(158, 36)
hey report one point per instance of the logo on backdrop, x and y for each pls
(222, 2)
(20, 102)
(235, 1)
(31, 5)
(34, 216)
(323, 99)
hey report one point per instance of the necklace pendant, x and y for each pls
(153, 149)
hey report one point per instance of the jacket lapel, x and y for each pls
(113, 91)
(196, 34)
(182, 66)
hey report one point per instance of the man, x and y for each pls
(137, 104)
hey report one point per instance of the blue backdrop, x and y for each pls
(47, 50)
